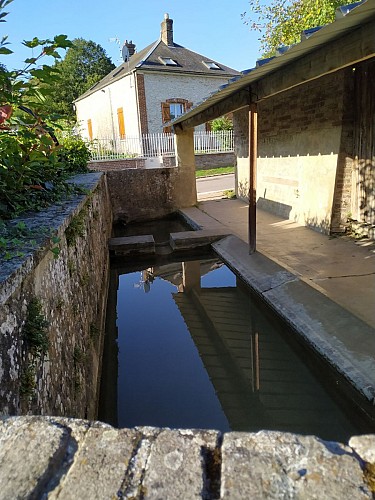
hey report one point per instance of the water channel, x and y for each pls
(189, 346)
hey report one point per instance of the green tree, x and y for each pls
(282, 21)
(84, 64)
(222, 123)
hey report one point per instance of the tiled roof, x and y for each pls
(150, 59)
(348, 18)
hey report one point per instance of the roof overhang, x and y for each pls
(345, 42)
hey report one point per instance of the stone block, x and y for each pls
(364, 446)
(31, 451)
(279, 465)
(194, 239)
(100, 464)
(132, 245)
(176, 465)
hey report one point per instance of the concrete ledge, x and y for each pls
(342, 339)
(132, 245)
(211, 195)
(200, 220)
(194, 239)
(64, 458)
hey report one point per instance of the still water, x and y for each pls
(189, 347)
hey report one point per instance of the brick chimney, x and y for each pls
(167, 31)
(131, 47)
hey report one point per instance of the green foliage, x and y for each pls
(84, 65)
(76, 227)
(27, 382)
(222, 123)
(78, 355)
(36, 329)
(214, 171)
(282, 21)
(16, 239)
(33, 166)
(31, 173)
(230, 194)
(94, 332)
(75, 154)
(55, 249)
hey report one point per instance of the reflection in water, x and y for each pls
(196, 351)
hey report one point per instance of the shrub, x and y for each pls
(74, 153)
(31, 172)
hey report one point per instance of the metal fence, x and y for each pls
(155, 145)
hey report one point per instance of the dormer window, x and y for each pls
(167, 61)
(211, 65)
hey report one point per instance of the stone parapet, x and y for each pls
(66, 458)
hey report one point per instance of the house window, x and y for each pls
(176, 109)
(121, 122)
(167, 61)
(173, 108)
(89, 128)
(211, 65)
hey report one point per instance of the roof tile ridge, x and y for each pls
(153, 48)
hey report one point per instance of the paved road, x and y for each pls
(215, 183)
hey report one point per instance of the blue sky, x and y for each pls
(211, 27)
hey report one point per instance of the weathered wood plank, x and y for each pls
(342, 52)
(237, 101)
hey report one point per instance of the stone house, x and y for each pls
(304, 125)
(150, 88)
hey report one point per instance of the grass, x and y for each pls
(214, 171)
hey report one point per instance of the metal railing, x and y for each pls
(158, 145)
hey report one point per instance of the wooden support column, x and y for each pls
(253, 138)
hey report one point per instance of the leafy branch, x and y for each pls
(281, 22)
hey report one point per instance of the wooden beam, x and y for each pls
(236, 101)
(348, 50)
(253, 136)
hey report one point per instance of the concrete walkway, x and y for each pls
(339, 267)
(324, 287)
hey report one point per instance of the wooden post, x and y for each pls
(253, 136)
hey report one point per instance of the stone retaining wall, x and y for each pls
(70, 289)
(105, 165)
(202, 162)
(148, 193)
(65, 458)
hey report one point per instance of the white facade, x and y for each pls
(102, 106)
(138, 96)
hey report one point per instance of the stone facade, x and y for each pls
(160, 87)
(101, 108)
(305, 148)
(71, 289)
(315, 151)
(149, 193)
(108, 165)
(141, 96)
